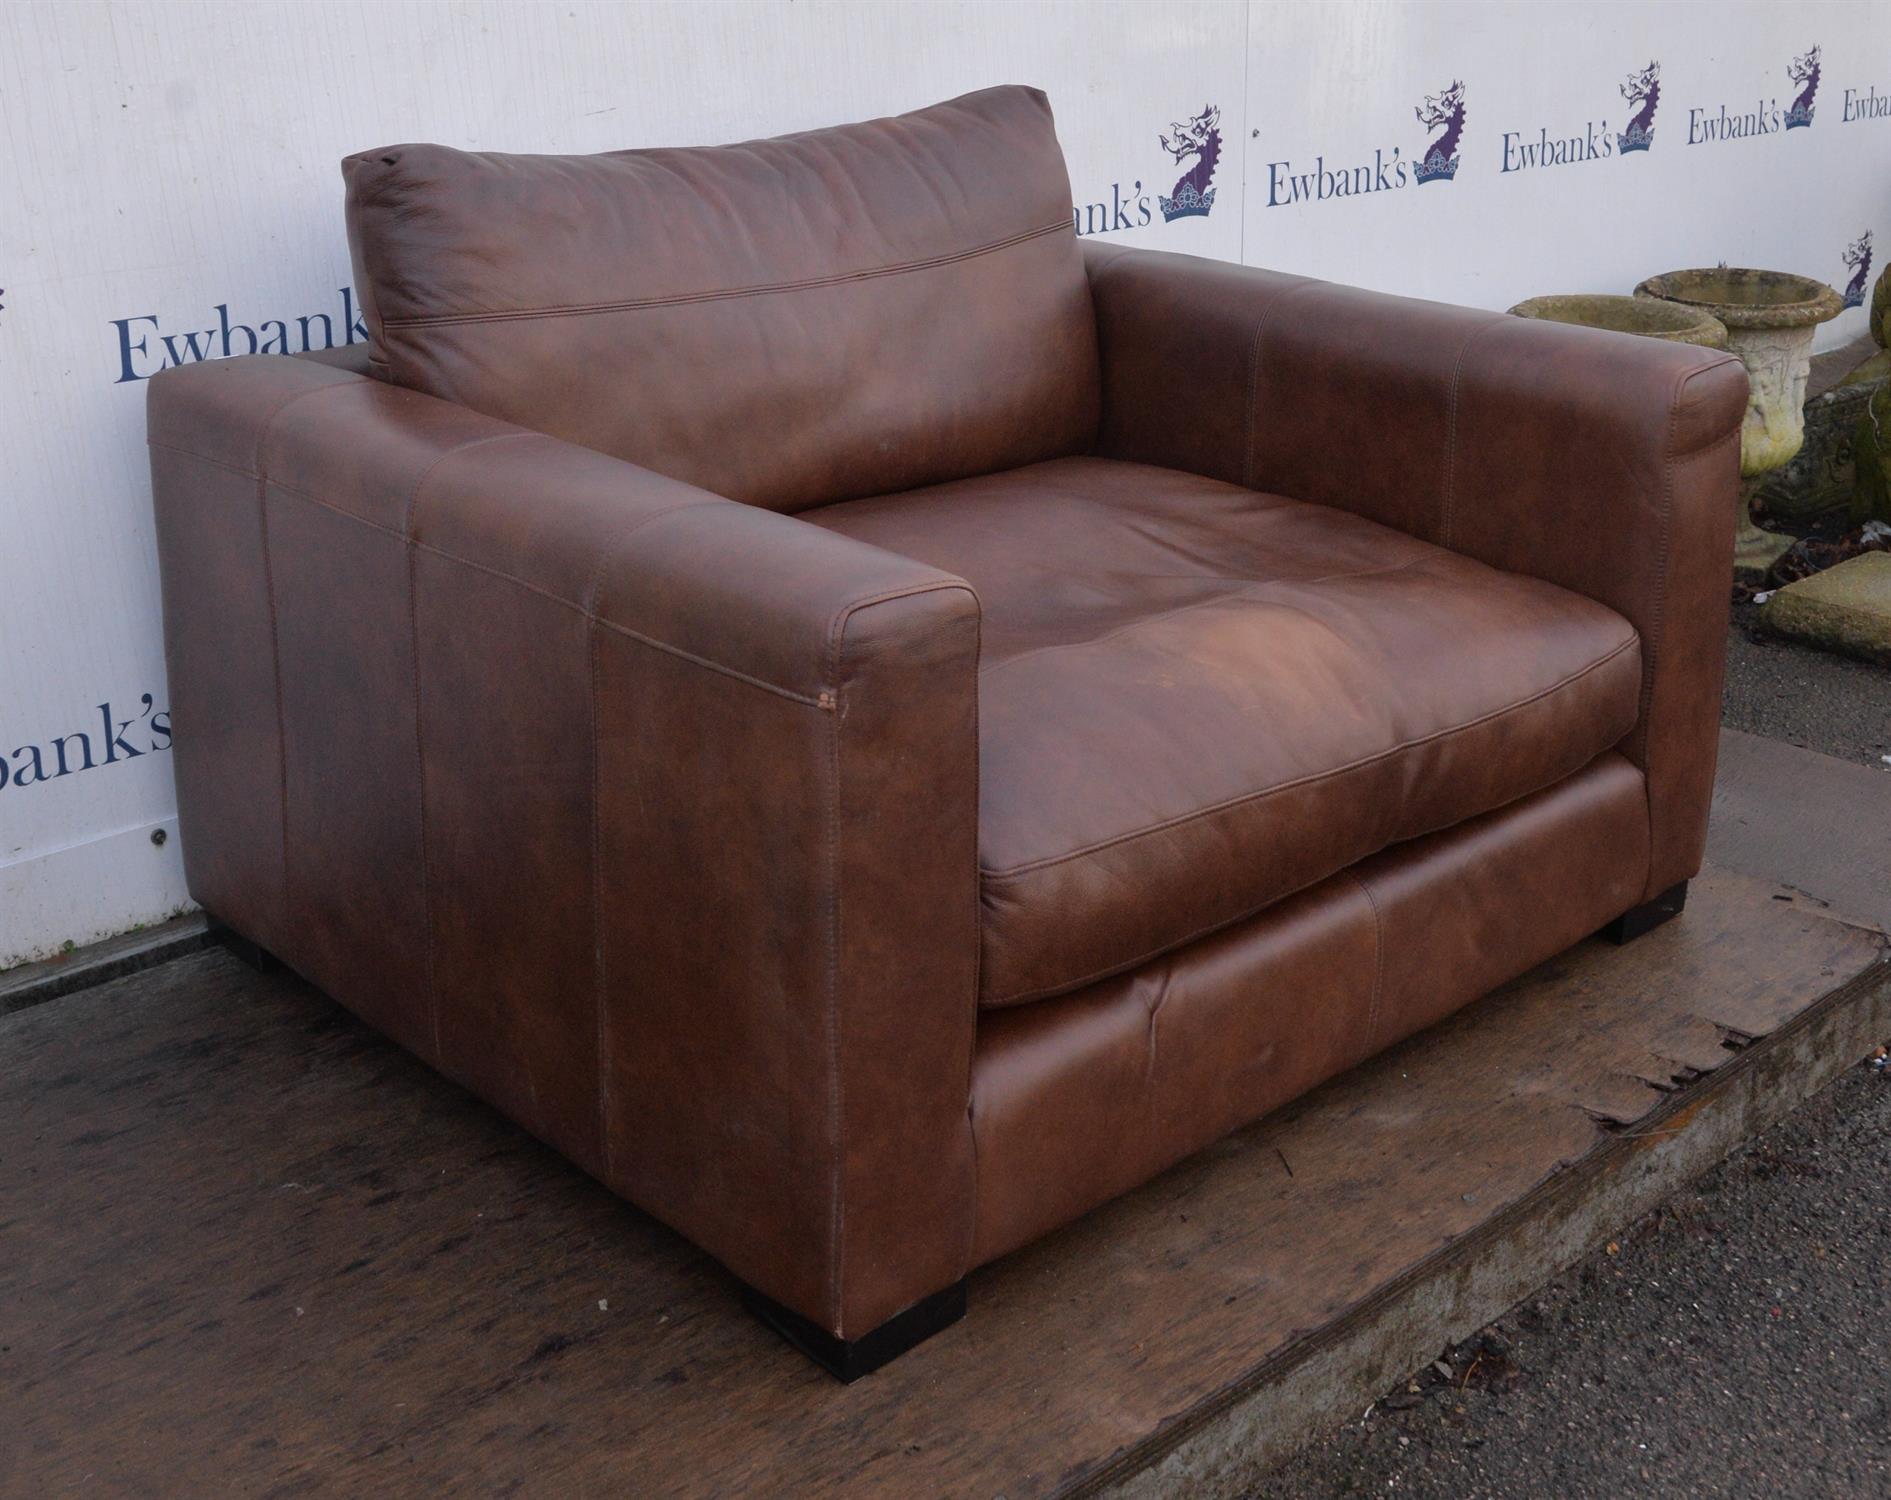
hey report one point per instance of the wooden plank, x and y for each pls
(247, 1246)
(1315, 1383)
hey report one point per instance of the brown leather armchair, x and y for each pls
(873, 728)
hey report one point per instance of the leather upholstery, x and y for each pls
(1597, 462)
(1344, 686)
(811, 318)
(1080, 1098)
(657, 818)
(462, 709)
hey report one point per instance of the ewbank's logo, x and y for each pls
(1643, 89)
(1445, 114)
(144, 348)
(104, 742)
(1867, 104)
(1595, 141)
(1292, 183)
(1194, 194)
(1193, 197)
(1804, 71)
(1858, 257)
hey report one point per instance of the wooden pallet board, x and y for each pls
(248, 1247)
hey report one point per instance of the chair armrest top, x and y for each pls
(759, 595)
(1372, 402)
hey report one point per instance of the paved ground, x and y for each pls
(1738, 1343)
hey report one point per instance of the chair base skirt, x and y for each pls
(1080, 1097)
(1648, 916)
(848, 1359)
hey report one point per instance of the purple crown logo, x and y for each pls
(1804, 71)
(1440, 158)
(1643, 89)
(1858, 257)
(1193, 196)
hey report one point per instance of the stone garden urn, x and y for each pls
(1770, 318)
(1643, 315)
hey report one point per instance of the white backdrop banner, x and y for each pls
(177, 197)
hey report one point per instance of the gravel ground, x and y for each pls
(1787, 692)
(1738, 1341)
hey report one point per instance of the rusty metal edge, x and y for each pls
(1227, 1442)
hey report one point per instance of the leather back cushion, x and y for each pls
(787, 322)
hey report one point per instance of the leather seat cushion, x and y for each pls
(1195, 699)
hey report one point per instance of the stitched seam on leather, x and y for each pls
(466, 562)
(1651, 646)
(971, 1131)
(720, 668)
(275, 634)
(837, 625)
(1666, 515)
(420, 781)
(837, 640)
(837, 1220)
(680, 299)
(205, 458)
(1378, 959)
(599, 977)
(1032, 866)
(1095, 269)
(275, 662)
(599, 1009)
(1638, 739)
(409, 520)
(978, 951)
(1688, 379)
(1254, 372)
(599, 969)
(1248, 592)
(1447, 519)
(1065, 986)
(624, 630)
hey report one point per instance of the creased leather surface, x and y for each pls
(1195, 699)
(819, 316)
(1600, 462)
(585, 786)
(1077, 1099)
(657, 818)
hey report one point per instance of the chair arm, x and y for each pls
(1606, 464)
(649, 816)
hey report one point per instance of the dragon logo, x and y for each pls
(1444, 113)
(1642, 89)
(1193, 194)
(1858, 257)
(1804, 71)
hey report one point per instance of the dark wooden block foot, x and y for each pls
(256, 956)
(1648, 916)
(848, 1359)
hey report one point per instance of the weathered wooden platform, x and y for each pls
(246, 1247)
